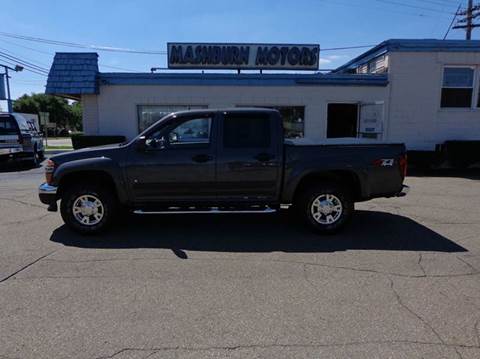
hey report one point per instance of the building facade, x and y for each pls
(419, 92)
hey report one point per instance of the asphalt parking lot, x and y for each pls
(403, 281)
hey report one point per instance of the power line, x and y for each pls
(347, 48)
(27, 47)
(414, 6)
(32, 62)
(83, 46)
(52, 54)
(439, 2)
(23, 62)
(26, 65)
(453, 20)
(389, 10)
(2, 60)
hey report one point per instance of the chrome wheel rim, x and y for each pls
(88, 210)
(326, 209)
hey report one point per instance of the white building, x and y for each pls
(420, 92)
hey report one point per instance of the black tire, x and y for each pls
(36, 157)
(336, 193)
(41, 155)
(108, 202)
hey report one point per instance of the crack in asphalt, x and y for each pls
(156, 350)
(420, 257)
(411, 311)
(364, 270)
(419, 317)
(399, 211)
(22, 202)
(404, 306)
(26, 266)
(476, 329)
(37, 218)
(474, 269)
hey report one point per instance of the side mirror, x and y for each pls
(145, 144)
(172, 137)
(141, 144)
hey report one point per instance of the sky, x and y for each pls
(150, 24)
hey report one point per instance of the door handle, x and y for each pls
(202, 158)
(264, 157)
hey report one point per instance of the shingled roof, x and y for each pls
(73, 74)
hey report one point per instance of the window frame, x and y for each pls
(246, 114)
(12, 121)
(184, 107)
(276, 107)
(475, 88)
(183, 120)
(174, 122)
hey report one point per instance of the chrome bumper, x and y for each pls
(48, 195)
(10, 150)
(404, 191)
(45, 188)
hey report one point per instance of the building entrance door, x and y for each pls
(342, 120)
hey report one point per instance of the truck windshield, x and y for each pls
(7, 126)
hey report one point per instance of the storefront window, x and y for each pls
(457, 87)
(149, 114)
(293, 119)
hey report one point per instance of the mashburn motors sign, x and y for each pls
(242, 56)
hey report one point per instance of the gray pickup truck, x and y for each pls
(220, 161)
(20, 140)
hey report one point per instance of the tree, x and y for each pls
(64, 114)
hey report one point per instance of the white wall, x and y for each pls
(90, 118)
(415, 116)
(117, 105)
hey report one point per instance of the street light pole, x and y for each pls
(9, 98)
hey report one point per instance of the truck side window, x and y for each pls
(246, 131)
(189, 132)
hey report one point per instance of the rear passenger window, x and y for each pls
(246, 131)
(7, 126)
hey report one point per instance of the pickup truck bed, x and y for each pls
(371, 167)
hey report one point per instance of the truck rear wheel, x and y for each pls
(326, 208)
(88, 209)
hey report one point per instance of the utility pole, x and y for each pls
(7, 77)
(467, 23)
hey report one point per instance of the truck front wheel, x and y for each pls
(88, 209)
(326, 208)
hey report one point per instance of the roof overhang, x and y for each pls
(211, 79)
(73, 74)
(412, 45)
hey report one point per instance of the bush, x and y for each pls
(83, 141)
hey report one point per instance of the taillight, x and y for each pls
(49, 168)
(403, 164)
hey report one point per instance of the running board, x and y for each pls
(211, 211)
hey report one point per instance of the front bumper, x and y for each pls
(48, 195)
(404, 191)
